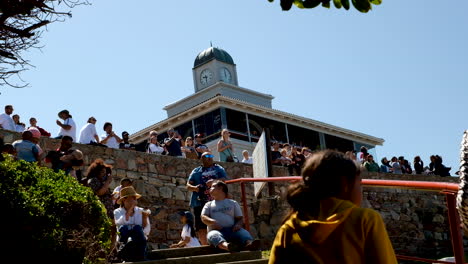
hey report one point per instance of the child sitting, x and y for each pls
(326, 224)
(189, 238)
(125, 182)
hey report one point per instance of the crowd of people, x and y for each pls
(325, 206)
(400, 165)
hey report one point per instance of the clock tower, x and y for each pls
(212, 66)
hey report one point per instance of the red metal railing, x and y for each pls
(449, 189)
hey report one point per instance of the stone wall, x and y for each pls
(416, 220)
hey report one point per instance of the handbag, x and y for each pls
(230, 158)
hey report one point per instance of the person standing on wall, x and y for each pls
(6, 121)
(173, 143)
(68, 127)
(110, 139)
(225, 149)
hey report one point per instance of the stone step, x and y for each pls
(209, 259)
(250, 261)
(182, 252)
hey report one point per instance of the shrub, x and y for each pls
(49, 217)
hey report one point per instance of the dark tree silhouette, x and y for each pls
(361, 5)
(22, 23)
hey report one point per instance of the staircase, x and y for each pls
(202, 255)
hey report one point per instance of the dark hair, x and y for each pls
(106, 124)
(26, 135)
(126, 180)
(223, 186)
(8, 106)
(96, 167)
(189, 216)
(326, 174)
(8, 148)
(67, 138)
(64, 112)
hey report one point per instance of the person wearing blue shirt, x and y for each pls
(199, 183)
(25, 148)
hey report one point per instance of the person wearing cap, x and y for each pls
(68, 127)
(132, 222)
(125, 144)
(88, 133)
(36, 135)
(198, 183)
(188, 235)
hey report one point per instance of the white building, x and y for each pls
(219, 102)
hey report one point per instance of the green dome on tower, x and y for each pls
(212, 53)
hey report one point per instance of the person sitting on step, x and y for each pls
(224, 220)
(188, 236)
(132, 223)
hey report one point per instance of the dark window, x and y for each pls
(209, 125)
(337, 143)
(237, 125)
(185, 130)
(302, 137)
(256, 125)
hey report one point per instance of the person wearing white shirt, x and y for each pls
(68, 127)
(188, 235)
(88, 133)
(132, 222)
(247, 159)
(19, 127)
(6, 122)
(110, 139)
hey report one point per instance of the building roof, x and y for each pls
(212, 53)
(236, 104)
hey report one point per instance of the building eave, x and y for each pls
(223, 101)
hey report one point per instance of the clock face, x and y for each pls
(225, 75)
(206, 76)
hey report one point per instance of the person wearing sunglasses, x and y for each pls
(199, 183)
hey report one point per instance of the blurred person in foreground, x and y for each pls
(326, 223)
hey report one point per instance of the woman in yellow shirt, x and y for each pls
(326, 224)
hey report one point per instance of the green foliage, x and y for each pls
(361, 5)
(50, 216)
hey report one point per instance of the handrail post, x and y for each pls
(244, 206)
(455, 232)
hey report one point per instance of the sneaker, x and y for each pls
(233, 247)
(253, 246)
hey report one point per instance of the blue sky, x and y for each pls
(398, 72)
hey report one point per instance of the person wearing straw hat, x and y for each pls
(132, 222)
